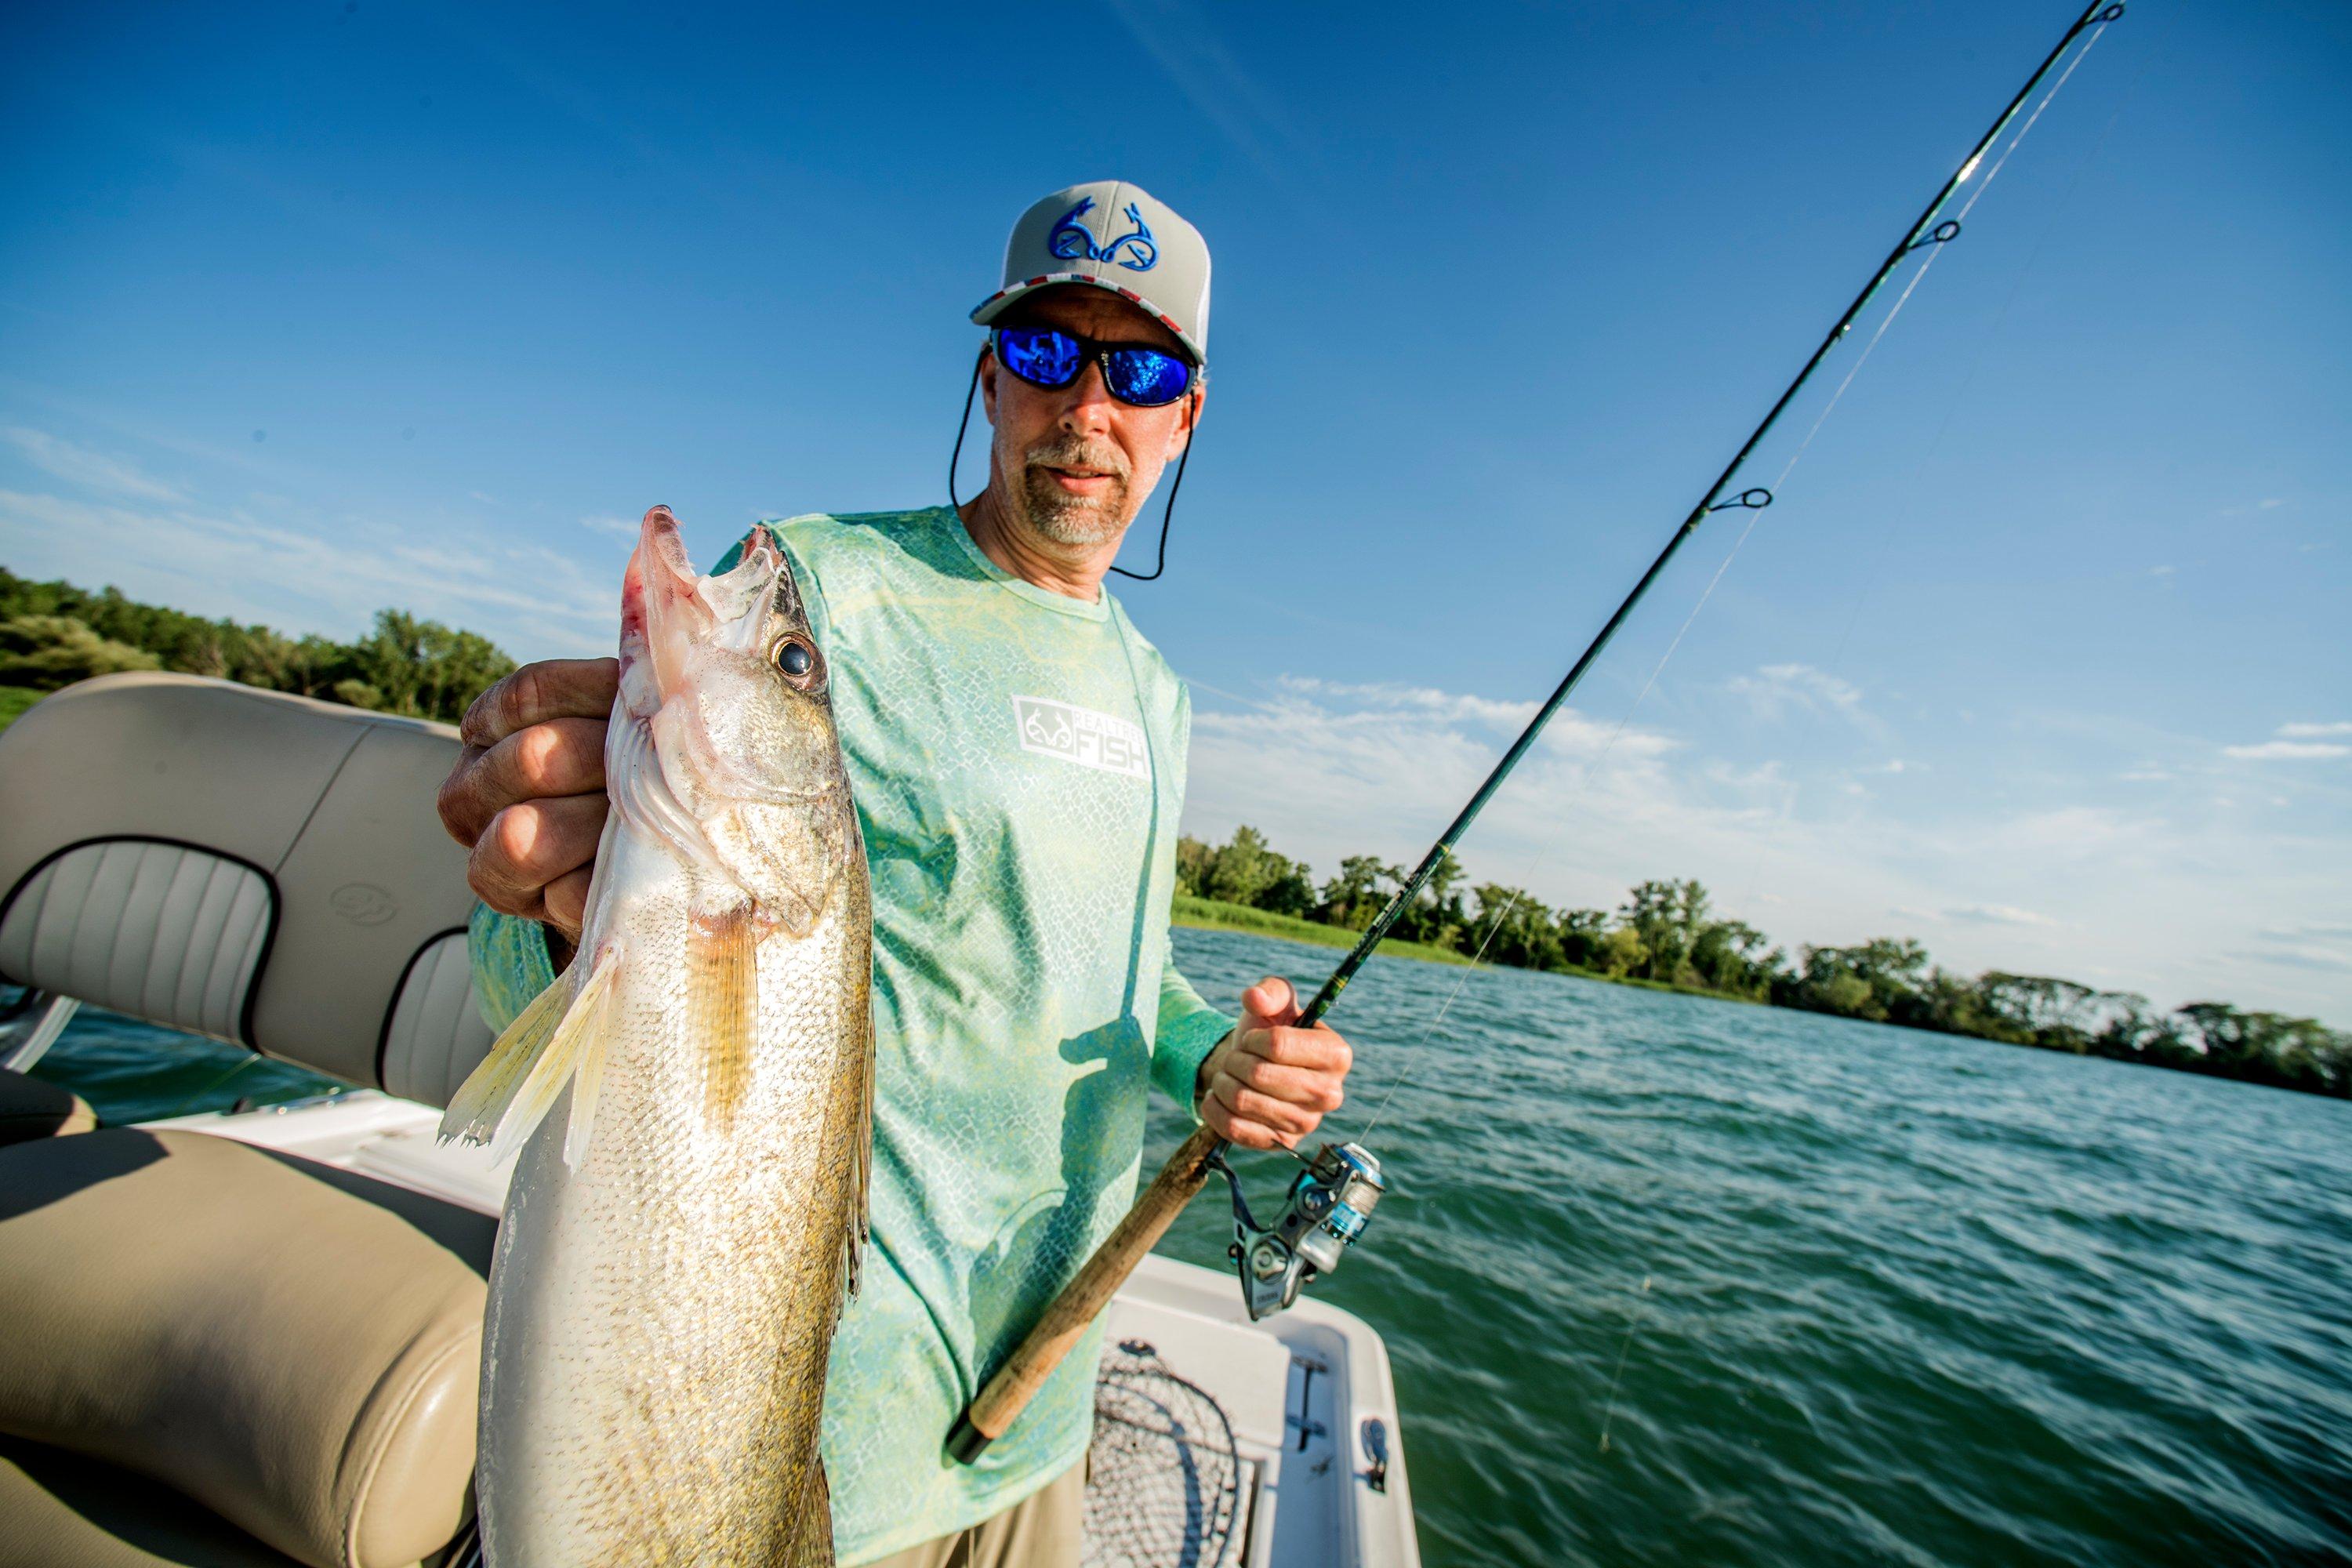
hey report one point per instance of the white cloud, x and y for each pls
(90, 469)
(2154, 900)
(2287, 751)
(2312, 732)
(605, 522)
(300, 576)
(1776, 691)
(1998, 914)
(2162, 571)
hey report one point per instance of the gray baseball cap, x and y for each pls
(1117, 237)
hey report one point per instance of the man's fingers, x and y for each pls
(566, 898)
(529, 845)
(1315, 1089)
(1318, 1049)
(1271, 1001)
(560, 757)
(1236, 1131)
(1248, 1105)
(552, 689)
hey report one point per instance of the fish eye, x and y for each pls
(795, 657)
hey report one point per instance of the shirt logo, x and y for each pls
(1071, 242)
(1081, 735)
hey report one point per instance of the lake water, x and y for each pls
(1672, 1281)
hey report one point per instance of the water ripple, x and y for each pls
(1910, 1298)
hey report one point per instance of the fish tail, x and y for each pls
(812, 1534)
(558, 1036)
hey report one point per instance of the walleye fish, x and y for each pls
(693, 1099)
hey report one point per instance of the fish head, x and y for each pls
(726, 674)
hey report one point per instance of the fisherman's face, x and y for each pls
(1075, 465)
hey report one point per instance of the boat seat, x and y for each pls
(32, 1109)
(265, 869)
(293, 1347)
(65, 1511)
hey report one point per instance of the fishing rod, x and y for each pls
(1330, 1199)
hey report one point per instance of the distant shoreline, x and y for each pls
(1215, 914)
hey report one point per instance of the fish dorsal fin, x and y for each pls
(505, 1099)
(862, 1172)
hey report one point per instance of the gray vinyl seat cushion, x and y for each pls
(162, 931)
(265, 869)
(436, 1033)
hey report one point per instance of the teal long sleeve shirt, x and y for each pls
(1018, 761)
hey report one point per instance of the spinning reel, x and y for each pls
(1324, 1211)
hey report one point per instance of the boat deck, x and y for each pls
(1217, 1441)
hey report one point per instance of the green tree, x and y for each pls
(1621, 951)
(1353, 897)
(46, 652)
(1732, 957)
(1580, 934)
(1668, 917)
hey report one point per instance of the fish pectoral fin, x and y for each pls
(588, 1071)
(812, 1544)
(473, 1110)
(722, 1006)
(516, 1084)
(582, 1031)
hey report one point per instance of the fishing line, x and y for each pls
(1933, 244)
(1495, 924)
(1885, 543)
(205, 1090)
(1624, 1348)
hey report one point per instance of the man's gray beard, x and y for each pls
(1073, 519)
(1057, 514)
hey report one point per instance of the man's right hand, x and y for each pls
(528, 795)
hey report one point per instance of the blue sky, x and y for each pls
(2040, 658)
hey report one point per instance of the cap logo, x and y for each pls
(1071, 242)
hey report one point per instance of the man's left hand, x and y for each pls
(1269, 1082)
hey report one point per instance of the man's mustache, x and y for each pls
(1077, 455)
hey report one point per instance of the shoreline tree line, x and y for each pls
(1669, 933)
(53, 634)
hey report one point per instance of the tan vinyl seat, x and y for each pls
(215, 1355)
(60, 1509)
(32, 1109)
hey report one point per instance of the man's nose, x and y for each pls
(1088, 410)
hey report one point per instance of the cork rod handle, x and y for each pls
(1008, 1392)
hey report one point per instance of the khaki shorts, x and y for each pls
(1044, 1529)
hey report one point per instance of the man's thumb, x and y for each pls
(1269, 1004)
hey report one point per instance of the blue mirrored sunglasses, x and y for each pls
(1134, 374)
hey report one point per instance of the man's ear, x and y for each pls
(1190, 421)
(988, 368)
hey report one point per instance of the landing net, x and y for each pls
(1163, 1481)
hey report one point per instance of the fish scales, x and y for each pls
(665, 1290)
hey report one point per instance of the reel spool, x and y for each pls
(1327, 1208)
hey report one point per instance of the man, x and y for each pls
(1017, 753)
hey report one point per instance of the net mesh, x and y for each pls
(1163, 1481)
